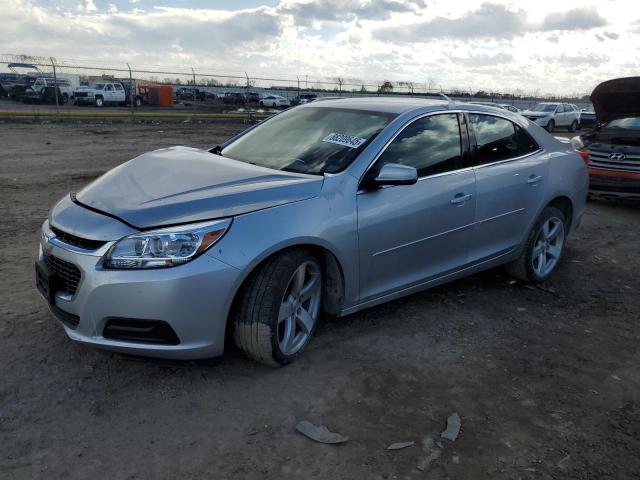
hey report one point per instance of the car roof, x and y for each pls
(395, 105)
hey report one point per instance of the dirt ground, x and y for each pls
(545, 379)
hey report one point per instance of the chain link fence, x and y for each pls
(201, 89)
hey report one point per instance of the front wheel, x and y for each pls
(99, 102)
(543, 249)
(277, 311)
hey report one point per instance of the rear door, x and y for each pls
(412, 233)
(510, 172)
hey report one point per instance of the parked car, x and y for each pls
(552, 114)
(304, 98)
(66, 90)
(274, 101)
(234, 98)
(44, 95)
(101, 94)
(190, 93)
(252, 97)
(587, 118)
(504, 106)
(612, 149)
(168, 253)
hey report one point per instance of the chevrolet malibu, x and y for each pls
(327, 208)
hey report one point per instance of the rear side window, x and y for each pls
(500, 139)
(431, 145)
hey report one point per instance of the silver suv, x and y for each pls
(550, 115)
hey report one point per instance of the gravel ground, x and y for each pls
(544, 379)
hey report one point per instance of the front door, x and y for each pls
(409, 234)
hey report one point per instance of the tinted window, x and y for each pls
(108, 88)
(118, 86)
(499, 139)
(430, 145)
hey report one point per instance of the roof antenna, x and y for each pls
(446, 97)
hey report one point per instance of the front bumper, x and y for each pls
(614, 183)
(193, 299)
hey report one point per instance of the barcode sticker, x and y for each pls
(344, 140)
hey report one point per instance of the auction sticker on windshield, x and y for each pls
(344, 140)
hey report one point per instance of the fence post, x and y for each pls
(55, 85)
(194, 87)
(131, 89)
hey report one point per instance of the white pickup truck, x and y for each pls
(101, 94)
(64, 85)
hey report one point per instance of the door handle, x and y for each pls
(533, 179)
(461, 198)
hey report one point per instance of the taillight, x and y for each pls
(584, 154)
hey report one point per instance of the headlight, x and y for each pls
(167, 247)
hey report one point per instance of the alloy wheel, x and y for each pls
(548, 246)
(300, 307)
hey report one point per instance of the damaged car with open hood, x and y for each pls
(612, 149)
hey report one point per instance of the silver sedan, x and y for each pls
(326, 208)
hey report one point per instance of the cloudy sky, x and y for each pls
(543, 46)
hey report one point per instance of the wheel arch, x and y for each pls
(333, 284)
(565, 205)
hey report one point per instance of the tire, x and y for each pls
(574, 126)
(288, 283)
(551, 126)
(99, 102)
(274, 105)
(137, 102)
(65, 98)
(261, 103)
(528, 266)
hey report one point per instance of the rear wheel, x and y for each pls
(574, 126)
(138, 102)
(551, 126)
(65, 98)
(278, 308)
(543, 249)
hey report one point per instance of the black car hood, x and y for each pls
(619, 98)
(181, 185)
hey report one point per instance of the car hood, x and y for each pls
(181, 185)
(619, 98)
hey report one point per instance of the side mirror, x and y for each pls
(395, 174)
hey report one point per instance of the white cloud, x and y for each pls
(496, 45)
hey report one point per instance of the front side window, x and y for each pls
(500, 139)
(108, 88)
(118, 86)
(430, 144)
(309, 140)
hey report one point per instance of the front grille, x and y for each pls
(67, 274)
(80, 94)
(600, 159)
(79, 242)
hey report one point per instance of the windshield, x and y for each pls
(543, 107)
(309, 140)
(631, 123)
